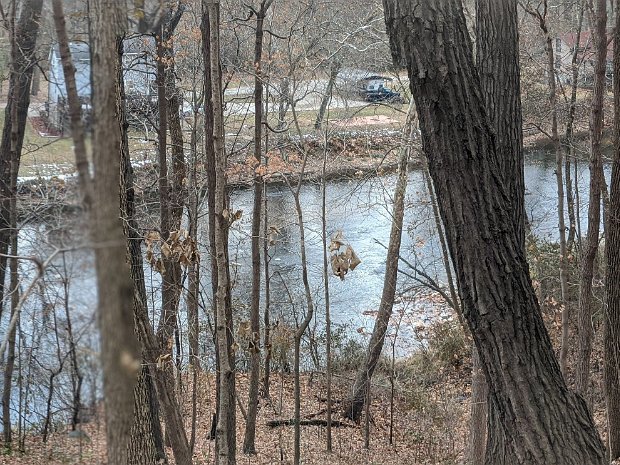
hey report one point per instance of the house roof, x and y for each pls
(376, 77)
(79, 51)
(586, 42)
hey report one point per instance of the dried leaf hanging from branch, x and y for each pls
(342, 256)
(179, 247)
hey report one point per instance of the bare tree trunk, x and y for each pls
(120, 356)
(497, 29)
(328, 322)
(569, 150)
(10, 357)
(226, 421)
(334, 69)
(541, 420)
(193, 290)
(584, 317)
(23, 43)
(355, 403)
(146, 443)
(211, 176)
(611, 323)
(301, 329)
(75, 106)
(254, 346)
(559, 160)
(267, 309)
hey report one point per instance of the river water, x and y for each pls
(360, 208)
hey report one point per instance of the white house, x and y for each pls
(563, 48)
(56, 90)
(138, 70)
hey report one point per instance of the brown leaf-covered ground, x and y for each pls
(426, 431)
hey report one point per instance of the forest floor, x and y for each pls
(430, 417)
(430, 432)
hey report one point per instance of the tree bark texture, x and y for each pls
(23, 62)
(584, 316)
(497, 29)
(611, 321)
(541, 420)
(120, 356)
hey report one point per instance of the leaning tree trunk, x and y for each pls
(584, 316)
(497, 28)
(355, 404)
(611, 321)
(541, 420)
(12, 335)
(120, 357)
(75, 106)
(334, 69)
(146, 445)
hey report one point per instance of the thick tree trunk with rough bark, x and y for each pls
(611, 321)
(541, 420)
(584, 316)
(23, 62)
(497, 29)
(120, 356)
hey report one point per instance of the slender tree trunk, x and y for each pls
(226, 421)
(193, 290)
(75, 106)
(146, 443)
(301, 329)
(267, 309)
(120, 356)
(334, 69)
(9, 367)
(254, 346)
(355, 404)
(77, 377)
(541, 420)
(584, 317)
(569, 148)
(328, 321)
(211, 176)
(611, 323)
(559, 176)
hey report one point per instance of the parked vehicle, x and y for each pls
(374, 89)
(384, 94)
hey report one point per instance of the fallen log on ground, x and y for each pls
(312, 422)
